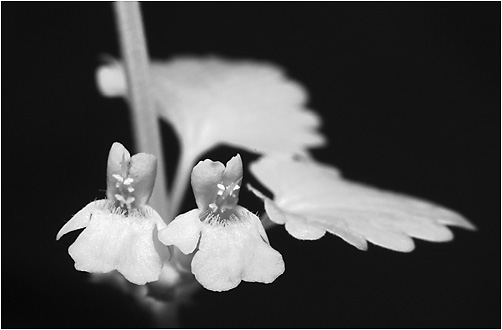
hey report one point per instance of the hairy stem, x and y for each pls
(145, 123)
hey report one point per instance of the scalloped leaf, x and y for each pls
(212, 101)
(311, 198)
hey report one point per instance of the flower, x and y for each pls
(121, 231)
(233, 244)
(312, 198)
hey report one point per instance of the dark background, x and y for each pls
(410, 96)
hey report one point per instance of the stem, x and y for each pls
(167, 317)
(181, 181)
(144, 117)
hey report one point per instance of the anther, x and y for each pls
(120, 198)
(118, 177)
(213, 207)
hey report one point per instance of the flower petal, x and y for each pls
(118, 163)
(233, 252)
(82, 218)
(205, 177)
(267, 264)
(112, 241)
(144, 171)
(233, 170)
(312, 198)
(183, 231)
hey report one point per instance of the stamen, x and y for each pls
(221, 189)
(120, 198)
(235, 190)
(118, 177)
(213, 207)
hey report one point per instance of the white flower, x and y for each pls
(233, 244)
(311, 198)
(121, 231)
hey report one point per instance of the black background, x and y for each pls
(410, 96)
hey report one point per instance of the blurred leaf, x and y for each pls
(312, 198)
(211, 101)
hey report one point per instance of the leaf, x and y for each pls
(211, 101)
(312, 198)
